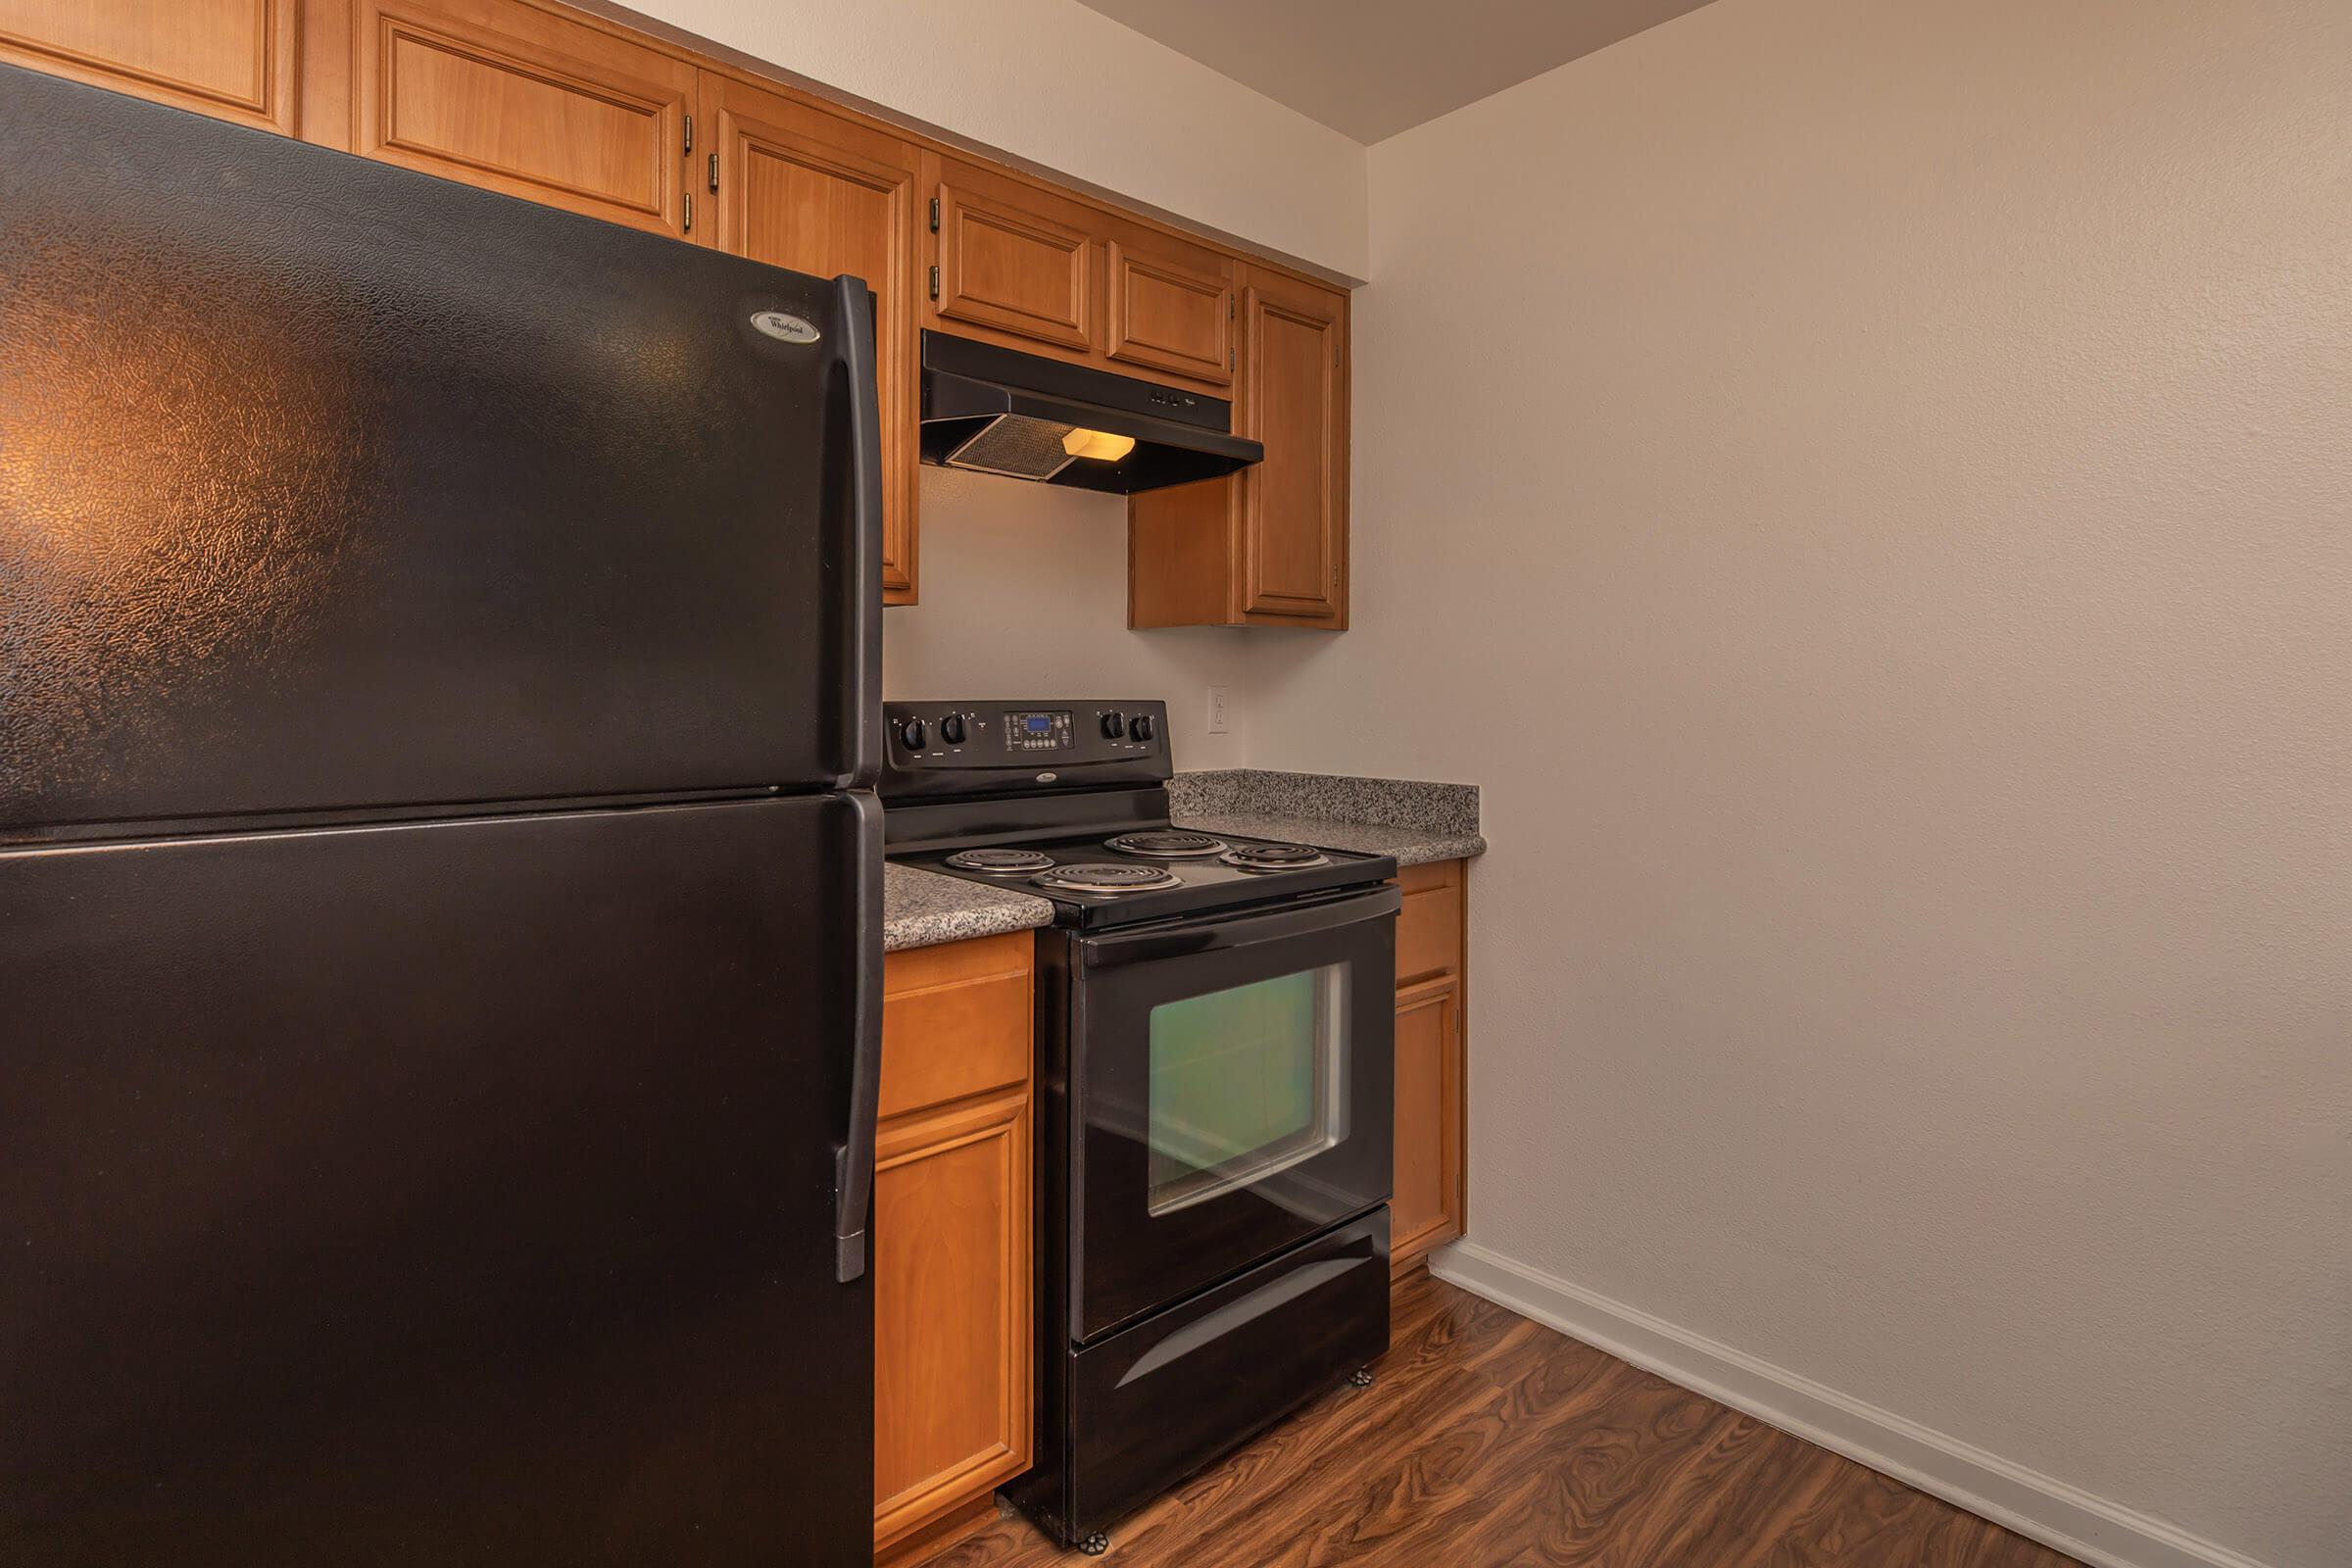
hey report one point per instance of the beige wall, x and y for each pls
(1059, 86)
(1868, 489)
(1024, 594)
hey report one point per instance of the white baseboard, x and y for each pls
(2105, 1534)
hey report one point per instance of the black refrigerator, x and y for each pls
(440, 937)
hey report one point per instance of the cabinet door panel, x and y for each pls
(230, 59)
(1425, 1208)
(1170, 312)
(1294, 401)
(1280, 555)
(952, 1317)
(518, 101)
(805, 189)
(1010, 259)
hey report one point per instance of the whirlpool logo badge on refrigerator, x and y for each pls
(785, 328)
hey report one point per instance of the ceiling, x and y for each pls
(1370, 69)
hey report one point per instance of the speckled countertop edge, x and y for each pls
(1409, 845)
(923, 908)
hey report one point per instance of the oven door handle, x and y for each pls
(1242, 931)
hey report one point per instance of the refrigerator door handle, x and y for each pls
(854, 1156)
(855, 312)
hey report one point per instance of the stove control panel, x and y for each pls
(1037, 730)
(1024, 746)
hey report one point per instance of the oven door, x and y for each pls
(1231, 1081)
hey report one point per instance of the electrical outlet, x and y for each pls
(1218, 710)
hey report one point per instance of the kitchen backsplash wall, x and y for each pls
(1024, 594)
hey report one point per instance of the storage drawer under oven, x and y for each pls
(1154, 1402)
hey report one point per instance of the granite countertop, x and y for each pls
(1412, 820)
(920, 909)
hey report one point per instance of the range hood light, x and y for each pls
(1100, 444)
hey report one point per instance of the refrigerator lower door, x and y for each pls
(459, 1194)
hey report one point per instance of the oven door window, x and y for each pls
(1246, 1082)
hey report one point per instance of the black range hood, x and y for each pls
(999, 411)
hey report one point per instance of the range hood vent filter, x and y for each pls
(1017, 446)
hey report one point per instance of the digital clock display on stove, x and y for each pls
(1038, 732)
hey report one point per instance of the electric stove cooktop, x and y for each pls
(1067, 800)
(1150, 872)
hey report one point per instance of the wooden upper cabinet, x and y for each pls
(1267, 546)
(230, 59)
(535, 100)
(800, 187)
(1015, 263)
(1295, 504)
(1168, 310)
(507, 96)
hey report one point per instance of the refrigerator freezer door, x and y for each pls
(333, 486)
(458, 1194)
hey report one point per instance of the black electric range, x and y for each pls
(1067, 800)
(1215, 1044)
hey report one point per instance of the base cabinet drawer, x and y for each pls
(946, 1042)
(1429, 928)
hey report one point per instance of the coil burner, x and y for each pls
(1167, 844)
(1109, 877)
(1274, 856)
(1000, 862)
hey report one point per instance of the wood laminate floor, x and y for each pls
(1490, 1442)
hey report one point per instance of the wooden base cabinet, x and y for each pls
(1426, 1208)
(954, 1336)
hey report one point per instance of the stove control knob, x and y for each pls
(950, 730)
(1140, 728)
(910, 734)
(1114, 725)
